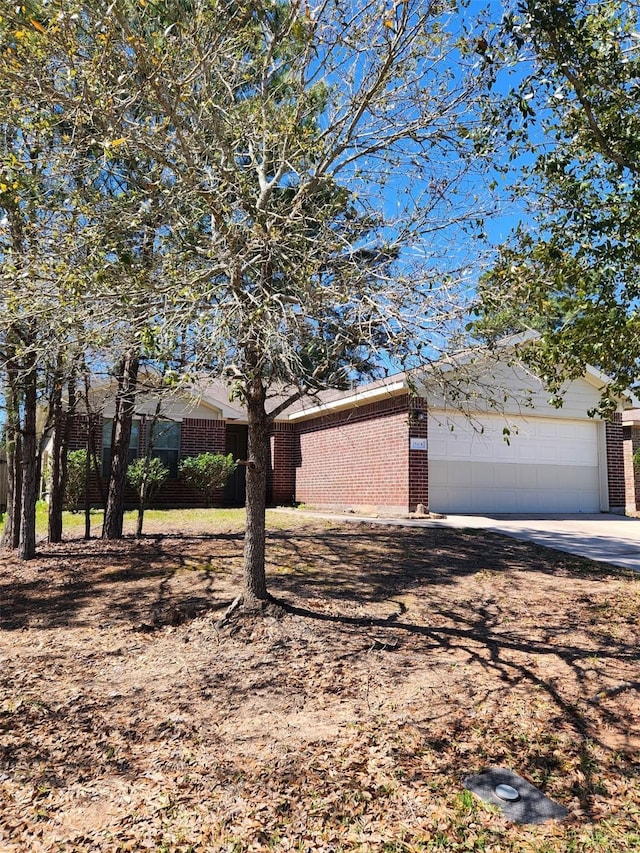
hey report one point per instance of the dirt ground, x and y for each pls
(399, 662)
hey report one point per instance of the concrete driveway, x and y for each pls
(613, 539)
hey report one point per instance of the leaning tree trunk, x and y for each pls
(255, 582)
(125, 404)
(27, 542)
(11, 533)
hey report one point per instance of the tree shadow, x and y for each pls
(514, 661)
(367, 602)
(128, 582)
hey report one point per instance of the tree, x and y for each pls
(207, 473)
(574, 271)
(314, 152)
(316, 165)
(62, 419)
(33, 219)
(93, 278)
(146, 475)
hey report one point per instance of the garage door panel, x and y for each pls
(481, 476)
(503, 475)
(567, 442)
(547, 466)
(540, 490)
(546, 477)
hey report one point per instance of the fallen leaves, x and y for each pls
(329, 728)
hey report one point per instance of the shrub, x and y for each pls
(207, 472)
(146, 476)
(74, 492)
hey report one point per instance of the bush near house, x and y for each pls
(146, 476)
(207, 472)
(76, 478)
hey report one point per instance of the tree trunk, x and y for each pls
(27, 542)
(59, 452)
(11, 533)
(92, 460)
(87, 483)
(56, 498)
(143, 503)
(125, 403)
(255, 582)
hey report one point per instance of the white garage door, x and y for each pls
(548, 465)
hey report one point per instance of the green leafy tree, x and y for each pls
(313, 167)
(207, 472)
(37, 238)
(81, 231)
(146, 475)
(573, 269)
(289, 137)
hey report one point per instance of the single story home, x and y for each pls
(486, 440)
(482, 438)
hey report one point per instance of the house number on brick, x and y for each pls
(418, 444)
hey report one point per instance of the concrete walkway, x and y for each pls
(613, 539)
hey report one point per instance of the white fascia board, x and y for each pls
(600, 380)
(227, 411)
(354, 400)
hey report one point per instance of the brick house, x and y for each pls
(488, 441)
(485, 441)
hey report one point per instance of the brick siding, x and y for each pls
(197, 435)
(281, 485)
(357, 459)
(631, 439)
(200, 435)
(418, 459)
(615, 464)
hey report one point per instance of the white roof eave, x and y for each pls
(354, 400)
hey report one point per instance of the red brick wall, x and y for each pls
(199, 435)
(615, 464)
(418, 459)
(78, 437)
(281, 484)
(357, 459)
(631, 471)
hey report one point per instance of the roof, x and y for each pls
(216, 392)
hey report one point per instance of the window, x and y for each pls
(134, 443)
(164, 439)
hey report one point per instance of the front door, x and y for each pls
(235, 491)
